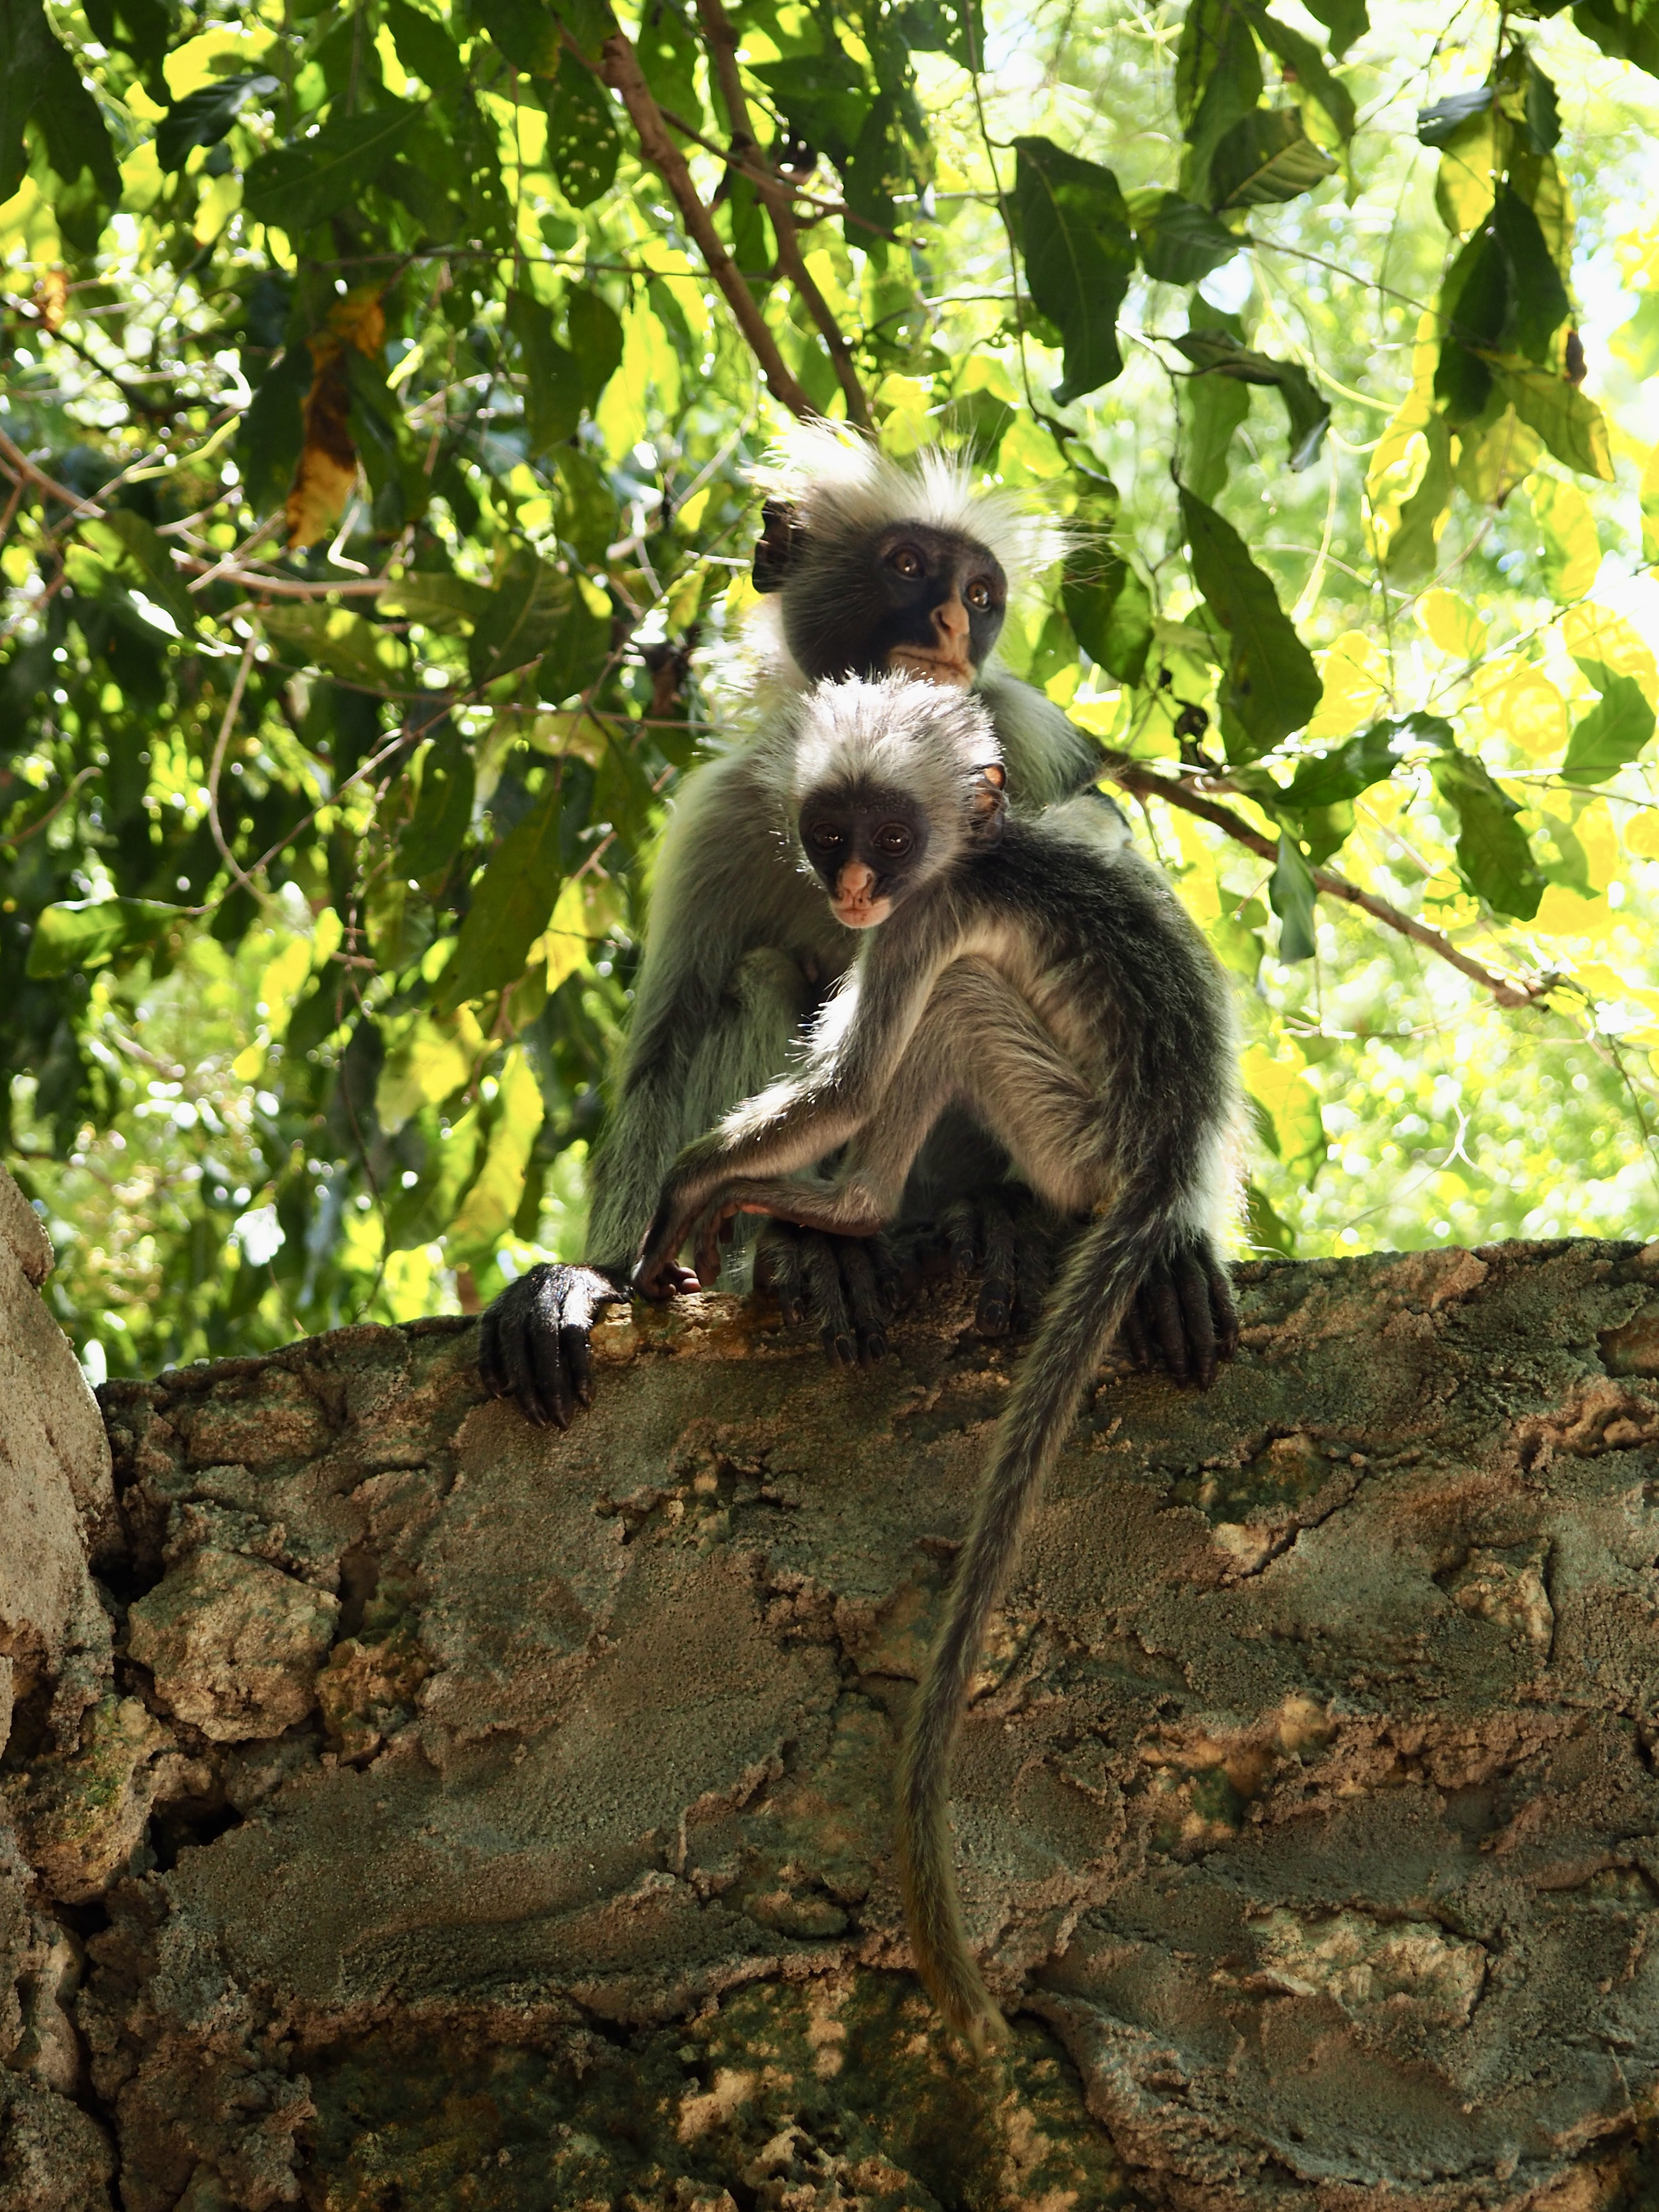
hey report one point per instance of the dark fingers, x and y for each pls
(1034, 1264)
(957, 1227)
(829, 1299)
(778, 1268)
(1194, 1286)
(575, 1361)
(1134, 1339)
(1162, 1307)
(865, 1300)
(491, 1373)
(554, 1393)
(891, 1283)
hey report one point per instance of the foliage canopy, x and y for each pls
(382, 378)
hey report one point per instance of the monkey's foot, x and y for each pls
(1183, 1317)
(533, 1340)
(848, 1284)
(1005, 1236)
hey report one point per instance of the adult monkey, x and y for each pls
(875, 568)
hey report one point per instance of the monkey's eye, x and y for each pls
(978, 594)
(894, 839)
(906, 562)
(824, 837)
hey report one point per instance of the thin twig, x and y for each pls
(776, 195)
(1135, 776)
(217, 764)
(134, 399)
(83, 775)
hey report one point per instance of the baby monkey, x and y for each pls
(1041, 975)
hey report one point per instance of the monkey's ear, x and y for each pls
(782, 531)
(988, 800)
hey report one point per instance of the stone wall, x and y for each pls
(465, 1815)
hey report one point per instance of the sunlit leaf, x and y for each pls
(1492, 851)
(1292, 895)
(1453, 624)
(1436, 124)
(40, 82)
(1572, 551)
(1612, 734)
(202, 117)
(1110, 611)
(82, 933)
(488, 1210)
(1573, 427)
(582, 144)
(300, 185)
(1265, 158)
(1334, 778)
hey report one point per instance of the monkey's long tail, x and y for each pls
(1083, 1313)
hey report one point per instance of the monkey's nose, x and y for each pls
(950, 620)
(855, 884)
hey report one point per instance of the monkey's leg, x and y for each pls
(835, 1278)
(1184, 1316)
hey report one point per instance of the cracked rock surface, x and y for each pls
(473, 1816)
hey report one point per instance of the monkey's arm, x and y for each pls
(716, 1005)
(861, 1037)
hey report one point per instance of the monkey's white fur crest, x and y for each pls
(894, 733)
(841, 482)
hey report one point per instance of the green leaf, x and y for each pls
(271, 433)
(553, 400)
(583, 147)
(1572, 427)
(596, 339)
(202, 117)
(1079, 256)
(529, 603)
(510, 906)
(1436, 126)
(424, 46)
(1412, 547)
(39, 81)
(587, 509)
(526, 33)
(1110, 611)
(347, 645)
(956, 28)
(1538, 298)
(1217, 84)
(1212, 409)
(1217, 353)
(1290, 894)
(822, 97)
(439, 601)
(1493, 852)
(1271, 686)
(1543, 110)
(1628, 30)
(1332, 779)
(298, 186)
(1612, 734)
(1265, 158)
(668, 51)
(580, 648)
(1346, 21)
(1180, 244)
(1304, 66)
(84, 933)
(443, 812)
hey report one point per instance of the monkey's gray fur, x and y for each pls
(1049, 980)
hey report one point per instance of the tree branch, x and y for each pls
(777, 199)
(1135, 776)
(619, 67)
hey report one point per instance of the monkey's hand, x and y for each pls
(532, 1341)
(1005, 1235)
(850, 1286)
(1183, 1317)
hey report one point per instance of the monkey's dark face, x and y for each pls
(908, 598)
(866, 846)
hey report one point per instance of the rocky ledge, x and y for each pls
(405, 1807)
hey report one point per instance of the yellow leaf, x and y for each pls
(1463, 188)
(1453, 624)
(1526, 708)
(1596, 633)
(1355, 677)
(1600, 840)
(1606, 983)
(1642, 834)
(1280, 1086)
(1572, 551)
(1650, 495)
(427, 1064)
(282, 982)
(1414, 411)
(1562, 912)
(327, 472)
(249, 1064)
(493, 1200)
